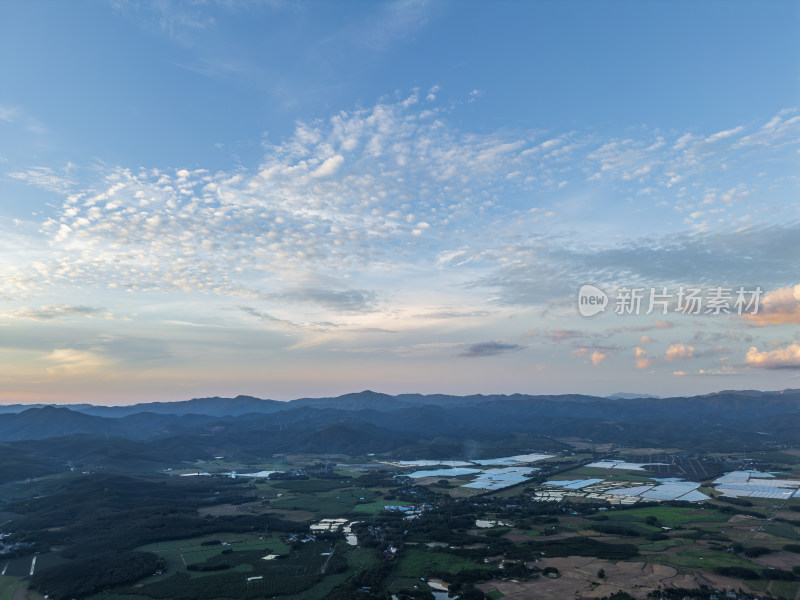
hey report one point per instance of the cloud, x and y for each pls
(221, 233)
(642, 361)
(627, 158)
(598, 357)
(131, 351)
(266, 317)
(17, 116)
(555, 266)
(780, 131)
(181, 323)
(679, 352)
(55, 311)
(455, 314)
(409, 172)
(595, 356)
(393, 22)
(726, 370)
(721, 135)
(781, 358)
(657, 324)
(329, 167)
(55, 180)
(489, 349)
(778, 307)
(72, 362)
(555, 335)
(344, 301)
(175, 18)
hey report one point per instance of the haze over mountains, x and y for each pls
(407, 418)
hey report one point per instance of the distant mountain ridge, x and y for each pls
(415, 415)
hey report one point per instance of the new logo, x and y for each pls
(591, 300)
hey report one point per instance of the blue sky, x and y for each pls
(309, 198)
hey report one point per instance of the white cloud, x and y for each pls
(415, 191)
(721, 135)
(56, 180)
(329, 167)
(55, 311)
(780, 358)
(679, 352)
(777, 307)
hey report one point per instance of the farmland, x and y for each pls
(548, 530)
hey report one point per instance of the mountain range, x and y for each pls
(428, 414)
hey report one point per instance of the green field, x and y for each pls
(783, 530)
(8, 586)
(358, 559)
(668, 516)
(192, 551)
(335, 502)
(322, 505)
(417, 563)
(702, 558)
(785, 589)
(312, 486)
(300, 565)
(660, 545)
(300, 570)
(608, 474)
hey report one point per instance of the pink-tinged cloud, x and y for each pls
(679, 373)
(679, 352)
(778, 307)
(724, 370)
(781, 358)
(598, 357)
(642, 360)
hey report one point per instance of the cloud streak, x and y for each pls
(55, 311)
(484, 349)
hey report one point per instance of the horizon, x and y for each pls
(286, 199)
(366, 391)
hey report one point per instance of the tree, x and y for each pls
(601, 574)
(652, 521)
(473, 594)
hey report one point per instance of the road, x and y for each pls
(325, 566)
(21, 593)
(767, 520)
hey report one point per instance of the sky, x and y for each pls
(288, 199)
